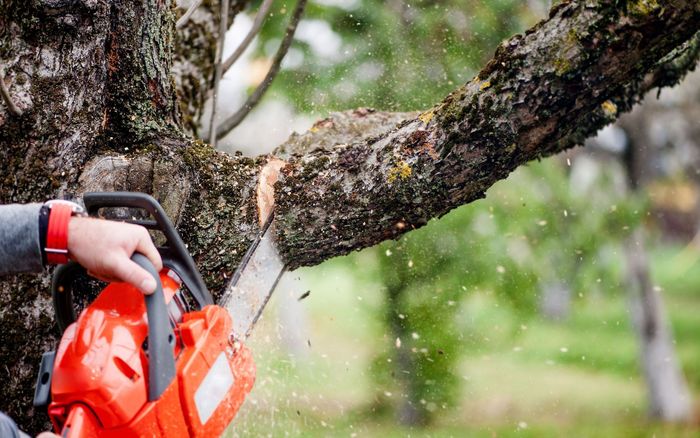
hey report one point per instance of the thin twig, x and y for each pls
(6, 96)
(254, 98)
(186, 16)
(223, 27)
(257, 24)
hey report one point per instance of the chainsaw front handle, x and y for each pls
(161, 339)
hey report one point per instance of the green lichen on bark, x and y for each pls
(643, 7)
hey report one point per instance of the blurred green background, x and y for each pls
(507, 317)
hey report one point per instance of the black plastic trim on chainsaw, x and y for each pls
(42, 392)
(62, 293)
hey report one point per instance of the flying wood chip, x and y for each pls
(304, 295)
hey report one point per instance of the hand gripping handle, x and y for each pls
(175, 255)
(161, 362)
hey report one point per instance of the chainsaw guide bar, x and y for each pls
(253, 282)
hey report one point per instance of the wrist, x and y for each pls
(75, 224)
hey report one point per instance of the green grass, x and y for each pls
(520, 377)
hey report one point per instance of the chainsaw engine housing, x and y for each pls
(102, 367)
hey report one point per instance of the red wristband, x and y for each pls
(57, 234)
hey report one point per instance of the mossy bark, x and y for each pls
(97, 85)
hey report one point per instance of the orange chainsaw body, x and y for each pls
(100, 375)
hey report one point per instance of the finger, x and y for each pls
(129, 272)
(101, 277)
(145, 246)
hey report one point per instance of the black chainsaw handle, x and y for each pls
(62, 293)
(161, 361)
(175, 255)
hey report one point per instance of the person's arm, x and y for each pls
(103, 247)
(20, 250)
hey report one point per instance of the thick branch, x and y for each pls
(543, 92)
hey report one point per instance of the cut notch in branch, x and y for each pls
(227, 125)
(265, 192)
(11, 106)
(188, 13)
(254, 30)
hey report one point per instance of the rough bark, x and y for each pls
(94, 80)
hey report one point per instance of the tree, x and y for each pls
(99, 96)
(669, 396)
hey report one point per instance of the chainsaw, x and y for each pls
(169, 364)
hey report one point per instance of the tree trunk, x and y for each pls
(405, 367)
(669, 397)
(409, 412)
(555, 300)
(94, 81)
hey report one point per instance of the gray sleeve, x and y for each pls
(19, 239)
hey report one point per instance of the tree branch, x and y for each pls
(188, 13)
(11, 106)
(543, 92)
(674, 66)
(254, 30)
(234, 120)
(223, 27)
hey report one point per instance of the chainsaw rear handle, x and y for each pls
(62, 293)
(161, 361)
(174, 255)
